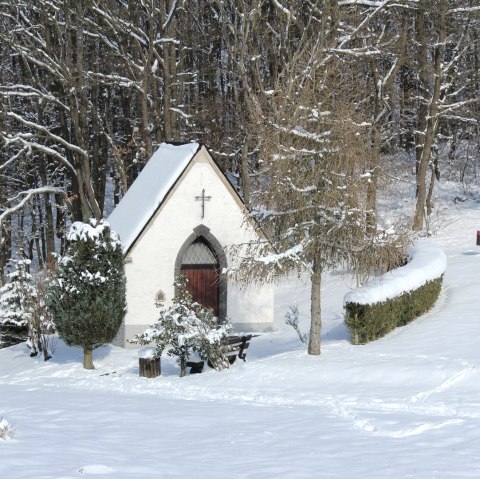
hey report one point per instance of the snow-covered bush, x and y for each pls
(41, 321)
(187, 327)
(396, 298)
(87, 292)
(212, 337)
(6, 430)
(24, 314)
(291, 318)
(17, 299)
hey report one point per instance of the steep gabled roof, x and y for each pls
(149, 190)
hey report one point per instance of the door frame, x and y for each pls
(203, 232)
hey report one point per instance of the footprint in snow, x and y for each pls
(423, 428)
(96, 469)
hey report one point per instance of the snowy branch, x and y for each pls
(29, 91)
(49, 134)
(285, 10)
(27, 195)
(13, 158)
(463, 10)
(170, 15)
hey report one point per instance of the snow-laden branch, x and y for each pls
(357, 52)
(462, 119)
(285, 10)
(24, 139)
(27, 195)
(454, 106)
(307, 189)
(180, 112)
(116, 79)
(47, 63)
(118, 24)
(364, 3)
(463, 10)
(48, 133)
(263, 214)
(293, 254)
(3, 166)
(458, 54)
(301, 132)
(379, 6)
(166, 40)
(170, 15)
(49, 152)
(29, 91)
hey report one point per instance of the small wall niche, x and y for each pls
(160, 297)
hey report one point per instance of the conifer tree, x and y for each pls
(87, 294)
(17, 297)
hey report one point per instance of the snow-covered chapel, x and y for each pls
(179, 217)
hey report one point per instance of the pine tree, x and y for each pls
(187, 327)
(17, 297)
(87, 294)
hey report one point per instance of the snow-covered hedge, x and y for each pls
(398, 297)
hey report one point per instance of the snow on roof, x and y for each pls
(149, 190)
(428, 262)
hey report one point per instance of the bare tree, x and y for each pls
(314, 200)
(445, 37)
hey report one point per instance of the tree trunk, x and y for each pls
(315, 309)
(244, 174)
(428, 201)
(431, 122)
(88, 359)
(49, 218)
(183, 367)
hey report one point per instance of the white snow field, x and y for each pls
(407, 405)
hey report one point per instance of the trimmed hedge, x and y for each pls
(367, 322)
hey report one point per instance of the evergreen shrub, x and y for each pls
(367, 322)
(17, 301)
(186, 328)
(87, 293)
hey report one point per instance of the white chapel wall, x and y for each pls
(151, 262)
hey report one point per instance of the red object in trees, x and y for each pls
(478, 238)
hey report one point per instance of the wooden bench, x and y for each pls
(237, 346)
(195, 367)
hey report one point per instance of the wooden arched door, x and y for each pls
(200, 266)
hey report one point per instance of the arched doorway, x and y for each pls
(200, 266)
(202, 260)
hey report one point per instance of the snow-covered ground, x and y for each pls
(407, 405)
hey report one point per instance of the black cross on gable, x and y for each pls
(203, 198)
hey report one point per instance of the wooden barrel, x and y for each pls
(149, 367)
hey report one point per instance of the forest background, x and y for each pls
(88, 89)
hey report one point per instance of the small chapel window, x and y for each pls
(199, 253)
(160, 297)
